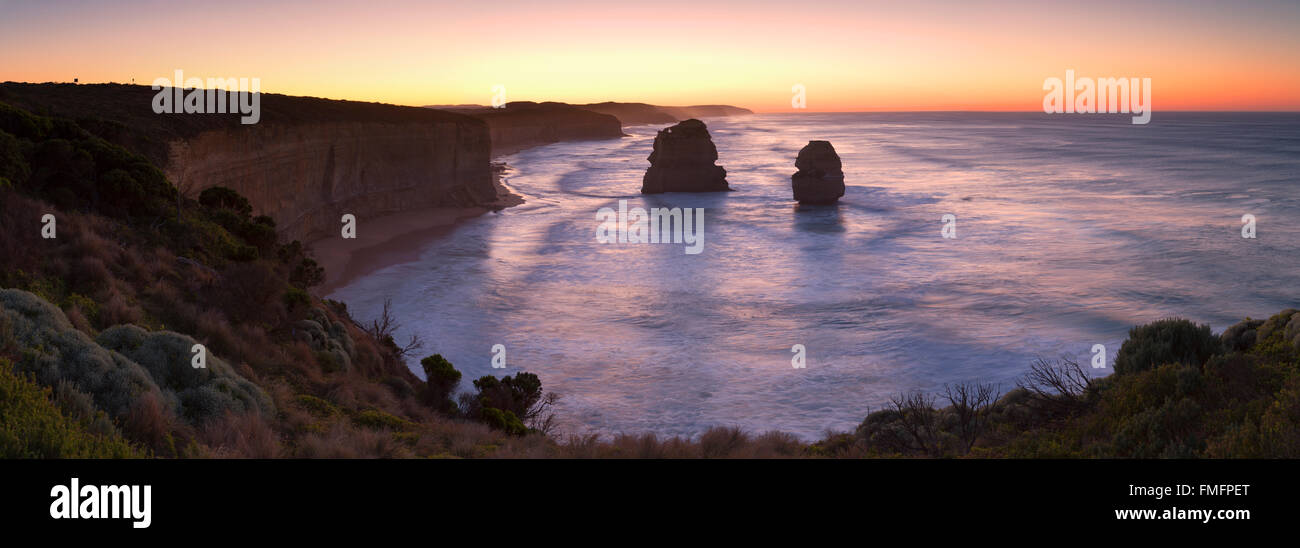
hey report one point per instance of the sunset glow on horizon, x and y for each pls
(849, 56)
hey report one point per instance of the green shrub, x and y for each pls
(32, 426)
(316, 406)
(13, 159)
(505, 421)
(1172, 340)
(295, 298)
(1284, 328)
(517, 394)
(441, 379)
(375, 419)
(328, 362)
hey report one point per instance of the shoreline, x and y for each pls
(396, 238)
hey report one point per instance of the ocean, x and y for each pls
(1070, 229)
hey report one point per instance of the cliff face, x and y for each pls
(306, 163)
(307, 176)
(705, 111)
(523, 124)
(632, 113)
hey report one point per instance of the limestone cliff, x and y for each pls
(523, 124)
(306, 163)
(307, 176)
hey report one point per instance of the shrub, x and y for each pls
(1172, 340)
(296, 299)
(242, 435)
(376, 419)
(516, 394)
(1283, 326)
(441, 379)
(54, 351)
(316, 406)
(722, 442)
(505, 421)
(220, 197)
(201, 393)
(307, 274)
(1241, 336)
(330, 341)
(32, 426)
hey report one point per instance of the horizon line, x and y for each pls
(435, 106)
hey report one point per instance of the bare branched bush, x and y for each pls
(917, 416)
(383, 328)
(971, 403)
(540, 416)
(1059, 385)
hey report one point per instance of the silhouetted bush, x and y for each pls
(519, 396)
(220, 197)
(441, 380)
(1172, 340)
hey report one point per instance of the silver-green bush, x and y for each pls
(201, 393)
(53, 350)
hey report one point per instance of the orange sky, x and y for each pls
(850, 55)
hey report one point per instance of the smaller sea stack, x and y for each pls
(820, 179)
(683, 161)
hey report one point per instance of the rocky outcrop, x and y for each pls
(683, 161)
(820, 179)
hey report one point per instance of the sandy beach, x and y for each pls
(394, 239)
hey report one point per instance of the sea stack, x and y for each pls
(820, 179)
(682, 161)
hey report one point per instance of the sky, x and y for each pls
(857, 55)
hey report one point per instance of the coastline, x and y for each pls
(397, 238)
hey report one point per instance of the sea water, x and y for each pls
(1069, 230)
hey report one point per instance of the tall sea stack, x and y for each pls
(820, 179)
(683, 161)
